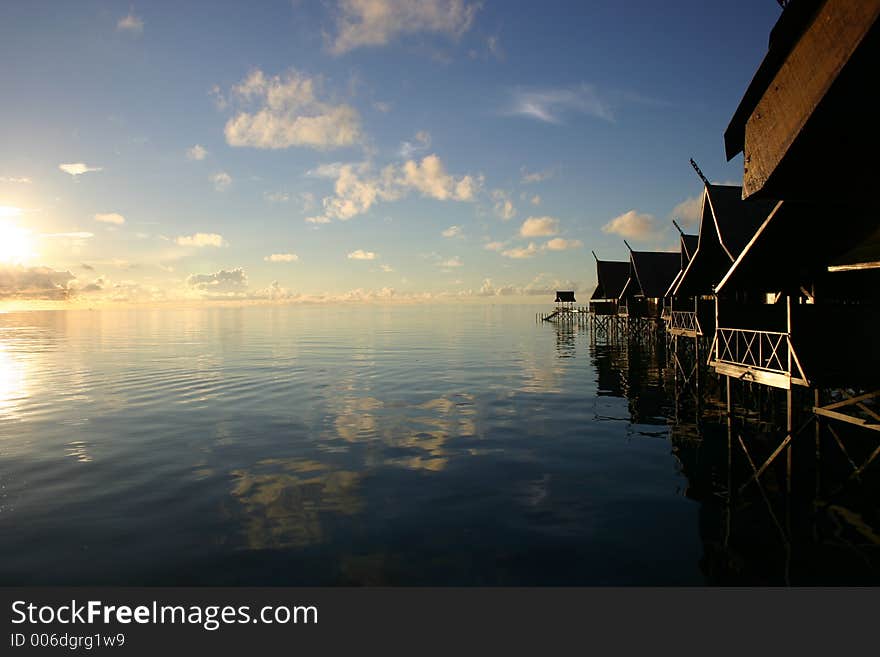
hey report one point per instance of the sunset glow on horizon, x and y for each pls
(158, 153)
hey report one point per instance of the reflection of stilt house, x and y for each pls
(611, 276)
(641, 300)
(799, 306)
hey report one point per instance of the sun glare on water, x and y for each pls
(16, 243)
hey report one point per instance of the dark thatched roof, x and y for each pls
(735, 220)
(612, 277)
(688, 248)
(798, 241)
(727, 223)
(565, 296)
(651, 272)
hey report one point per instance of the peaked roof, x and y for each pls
(651, 272)
(798, 241)
(612, 276)
(688, 249)
(727, 223)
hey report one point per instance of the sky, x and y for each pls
(288, 151)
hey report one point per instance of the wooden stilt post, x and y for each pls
(818, 444)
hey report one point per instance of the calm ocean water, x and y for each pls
(351, 445)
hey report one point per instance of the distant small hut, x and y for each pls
(565, 299)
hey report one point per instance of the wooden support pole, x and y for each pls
(818, 445)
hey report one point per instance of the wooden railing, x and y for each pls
(761, 351)
(685, 320)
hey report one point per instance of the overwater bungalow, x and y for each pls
(808, 139)
(565, 300)
(687, 247)
(799, 306)
(611, 276)
(808, 319)
(650, 274)
(727, 223)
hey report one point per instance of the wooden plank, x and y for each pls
(852, 400)
(857, 266)
(801, 83)
(873, 426)
(746, 373)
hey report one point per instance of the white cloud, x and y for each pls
(382, 106)
(17, 281)
(275, 292)
(286, 112)
(688, 211)
(78, 168)
(452, 231)
(357, 189)
(532, 177)
(386, 268)
(430, 177)
(376, 22)
(281, 257)
(110, 218)
(539, 227)
(360, 254)
(200, 240)
(131, 23)
(489, 289)
(503, 207)
(197, 152)
(355, 193)
(454, 261)
(552, 105)
(221, 180)
(327, 170)
(535, 200)
(420, 143)
(223, 281)
(219, 98)
(560, 244)
(521, 252)
(494, 246)
(631, 224)
(15, 179)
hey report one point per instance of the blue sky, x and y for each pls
(376, 148)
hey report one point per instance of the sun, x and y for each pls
(16, 243)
